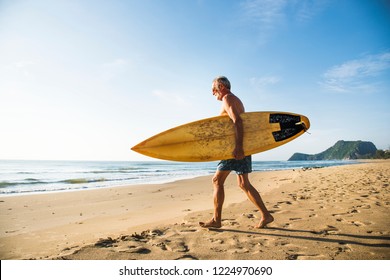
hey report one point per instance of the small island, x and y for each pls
(345, 150)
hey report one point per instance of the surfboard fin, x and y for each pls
(303, 126)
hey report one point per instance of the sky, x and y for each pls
(87, 80)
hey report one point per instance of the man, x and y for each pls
(233, 107)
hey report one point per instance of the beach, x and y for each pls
(330, 213)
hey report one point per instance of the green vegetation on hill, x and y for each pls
(345, 150)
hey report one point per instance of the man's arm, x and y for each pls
(238, 152)
(234, 114)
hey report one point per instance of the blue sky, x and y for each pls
(87, 80)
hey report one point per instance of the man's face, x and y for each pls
(216, 91)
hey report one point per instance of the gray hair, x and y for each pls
(222, 80)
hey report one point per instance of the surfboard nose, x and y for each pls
(136, 148)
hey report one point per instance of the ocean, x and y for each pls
(19, 177)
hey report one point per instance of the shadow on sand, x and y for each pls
(320, 236)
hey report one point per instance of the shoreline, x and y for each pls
(98, 188)
(125, 222)
(85, 182)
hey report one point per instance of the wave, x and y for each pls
(6, 184)
(40, 190)
(28, 181)
(82, 180)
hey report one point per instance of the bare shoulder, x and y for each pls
(231, 98)
(233, 102)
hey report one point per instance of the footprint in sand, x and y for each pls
(70, 248)
(364, 206)
(354, 211)
(281, 204)
(339, 214)
(355, 223)
(249, 216)
(134, 250)
(216, 241)
(238, 251)
(234, 223)
(176, 246)
(328, 230)
(359, 224)
(281, 243)
(190, 230)
(218, 249)
(305, 257)
(105, 242)
(345, 248)
(160, 245)
(186, 257)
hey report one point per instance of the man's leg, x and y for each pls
(254, 196)
(219, 197)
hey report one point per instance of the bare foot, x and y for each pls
(211, 224)
(265, 221)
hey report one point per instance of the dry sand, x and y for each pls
(327, 213)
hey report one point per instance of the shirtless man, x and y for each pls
(233, 107)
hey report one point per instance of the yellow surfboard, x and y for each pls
(214, 138)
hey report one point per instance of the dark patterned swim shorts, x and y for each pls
(242, 166)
